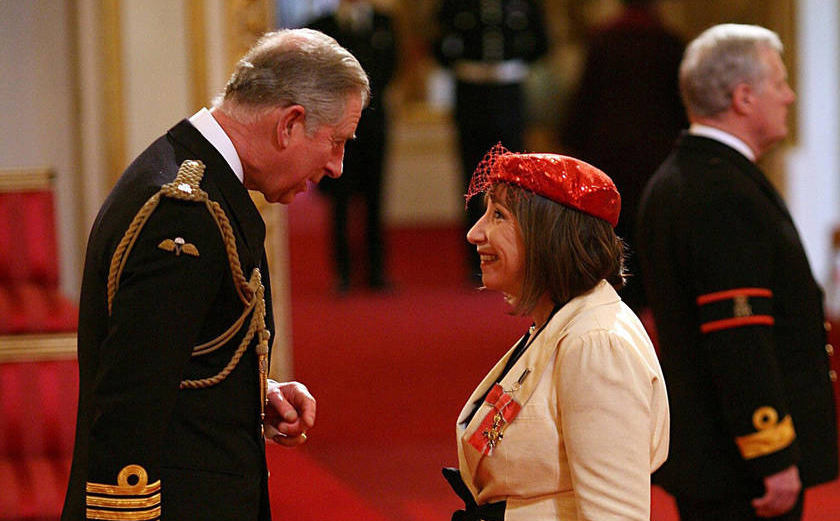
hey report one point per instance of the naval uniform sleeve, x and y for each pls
(156, 317)
(605, 395)
(733, 258)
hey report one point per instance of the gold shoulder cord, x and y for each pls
(251, 292)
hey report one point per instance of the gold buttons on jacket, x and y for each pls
(829, 349)
(827, 325)
(832, 375)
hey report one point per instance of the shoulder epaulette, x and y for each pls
(186, 187)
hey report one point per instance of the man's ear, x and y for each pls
(743, 100)
(291, 119)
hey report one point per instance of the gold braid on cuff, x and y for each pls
(772, 435)
(124, 501)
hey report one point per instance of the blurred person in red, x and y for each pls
(626, 113)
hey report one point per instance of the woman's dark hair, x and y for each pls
(567, 252)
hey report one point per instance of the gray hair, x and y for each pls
(718, 60)
(294, 67)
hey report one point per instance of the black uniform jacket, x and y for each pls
(741, 327)
(203, 445)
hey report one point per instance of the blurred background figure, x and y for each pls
(488, 45)
(368, 33)
(627, 112)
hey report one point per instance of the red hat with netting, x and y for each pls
(562, 179)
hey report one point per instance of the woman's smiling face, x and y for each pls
(499, 243)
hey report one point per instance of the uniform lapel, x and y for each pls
(764, 184)
(743, 164)
(224, 187)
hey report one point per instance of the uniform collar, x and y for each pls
(224, 187)
(208, 127)
(698, 129)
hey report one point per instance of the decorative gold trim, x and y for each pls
(41, 347)
(765, 418)
(178, 246)
(771, 436)
(123, 487)
(108, 515)
(113, 115)
(97, 501)
(21, 179)
(247, 21)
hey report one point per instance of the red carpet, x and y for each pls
(390, 373)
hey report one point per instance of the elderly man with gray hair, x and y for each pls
(175, 322)
(742, 335)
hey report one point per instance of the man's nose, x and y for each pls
(335, 165)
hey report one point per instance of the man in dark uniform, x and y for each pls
(738, 312)
(175, 317)
(488, 44)
(368, 33)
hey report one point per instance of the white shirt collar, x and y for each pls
(207, 125)
(698, 129)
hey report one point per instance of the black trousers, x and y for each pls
(363, 176)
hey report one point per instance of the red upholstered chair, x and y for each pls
(30, 301)
(37, 422)
(38, 370)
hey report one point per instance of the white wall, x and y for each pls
(155, 70)
(38, 107)
(813, 174)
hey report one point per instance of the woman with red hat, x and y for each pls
(572, 420)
